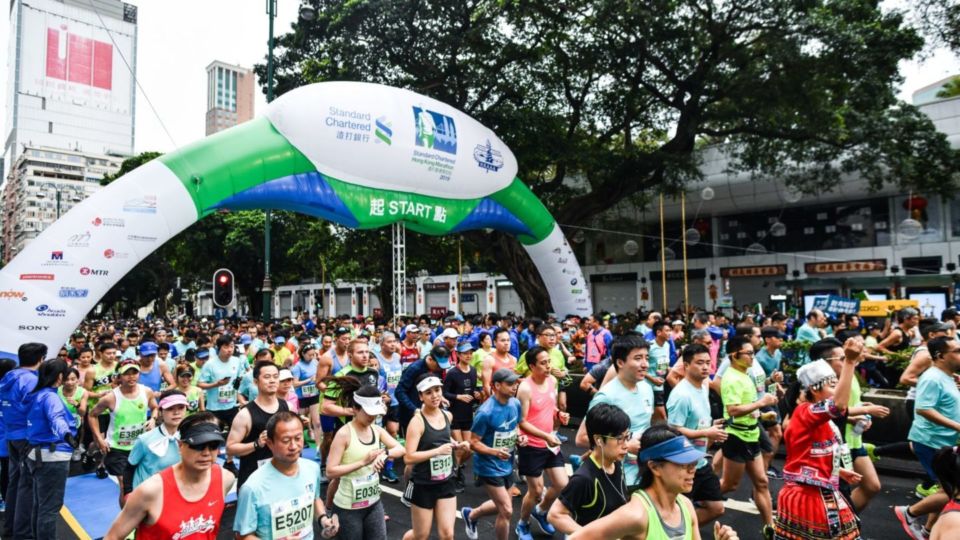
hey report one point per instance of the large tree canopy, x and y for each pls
(619, 94)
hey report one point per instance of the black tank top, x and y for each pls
(258, 423)
(438, 469)
(904, 341)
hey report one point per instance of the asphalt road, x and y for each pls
(878, 520)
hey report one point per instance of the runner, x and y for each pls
(499, 359)
(493, 439)
(185, 500)
(660, 365)
(157, 449)
(356, 458)
(329, 364)
(688, 411)
(437, 362)
(935, 426)
(391, 368)
(193, 393)
(305, 383)
(484, 349)
(599, 341)
(658, 510)
(282, 498)
(128, 405)
(538, 402)
(409, 349)
(741, 408)
(153, 374)
(248, 438)
(220, 378)
(84, 365)
(99, 386)
(285, 390)
(74, 397)
(946, 464)
(630, 393)
(598, 487)
(809, 505)
(432, 452)
(460, 390)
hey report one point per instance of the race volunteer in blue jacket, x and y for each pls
(438, 361)
(14, 389)
(52, 436)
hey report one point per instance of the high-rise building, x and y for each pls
(71, 79)
(44, 182)
(229, 96)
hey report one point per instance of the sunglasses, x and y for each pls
(212, 446)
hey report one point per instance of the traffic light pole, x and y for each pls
(267, 285)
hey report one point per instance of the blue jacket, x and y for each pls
(15, 401)
(49, 421)
(406, 392)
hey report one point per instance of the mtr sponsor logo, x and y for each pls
(79, 59)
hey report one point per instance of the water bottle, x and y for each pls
(861, 425)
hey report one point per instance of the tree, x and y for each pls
(950, 89)
(619, 94)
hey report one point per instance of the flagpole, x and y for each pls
(663, 258)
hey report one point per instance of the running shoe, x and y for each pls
(871, 451)
(541, 518)
(911, 524)
(390, 475)
(514, 491)
(3, 506)
(575, 461)
(523, 531)
(772, 472)
(563, 438)
(766, 532)
(469, 525)
(922, 492)
(102, 472)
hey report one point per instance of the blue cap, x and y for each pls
(465, 346)
(279, 340)
(148, 348)
(245, 339)
(203, 353)
(677, 450)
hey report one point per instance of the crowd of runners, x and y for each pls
(681, 408)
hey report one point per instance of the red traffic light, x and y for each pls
(223, 288)
(224, 279)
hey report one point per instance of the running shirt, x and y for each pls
(258, 422)
(390, 370)
(193, 400)
(477, 362)
(591, 493)
(77, 396)
(223, 397)
(815, 451)
(739, 388)
(598, 345)
(557, 361)
(496, 425)
(498, 363)
(248, 388)
(657, 529)
(408, 355)
(302, 371)
(854, 440)
(935, 390)
(153, 452)
(183, 519)
(127, 419)
(638, 404)
(437, 469)
(101, 381)
(361, 488)
(274, 505)
(337, 363)
(768, 362)
(456, 383)
(152, 379)
(689, 407)
(542, 409)
(659, 362)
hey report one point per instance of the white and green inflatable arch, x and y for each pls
(362, 155)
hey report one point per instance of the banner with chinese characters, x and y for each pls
(837, 305)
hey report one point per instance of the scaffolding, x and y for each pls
(399, 269)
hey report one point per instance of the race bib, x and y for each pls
(702, 424)
(226, 394)
(309, 390)
(505, 439)
(441, 467)
(393, 378)
(292, 519)
(663, 364)
(366, 490)
(127, 435)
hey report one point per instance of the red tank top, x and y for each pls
(952, 506)
(543, 408)
(181, 519)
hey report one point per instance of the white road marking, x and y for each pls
(746, 507)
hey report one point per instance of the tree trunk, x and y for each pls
(519, 269)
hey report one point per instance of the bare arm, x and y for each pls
(561, 518)
(136, 509)
(238, 431)
(628, 520)
(523, 394)
(918, 364)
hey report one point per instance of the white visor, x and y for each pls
(428, 383)
(371, 405)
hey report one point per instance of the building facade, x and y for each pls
(71, 79)
(41, 176)
(229, 96)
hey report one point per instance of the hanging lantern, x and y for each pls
(668, 254)
(692, 236)
(755, 248)
(792, 195)
(630, 247)
(778, 229)
(707, 194)
(578, 237)
(910, 229)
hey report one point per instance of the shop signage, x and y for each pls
(837, 305)
(473, 285)
(754, 271)
(612, 278)
(436, 286)
(845, 267)
(693, 273)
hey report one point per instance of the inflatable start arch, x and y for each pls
(362, 155)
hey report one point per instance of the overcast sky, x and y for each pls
(178, 38)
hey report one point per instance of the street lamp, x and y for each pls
(42, 194)
(307, 13)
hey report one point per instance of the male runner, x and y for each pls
(220, 377)
(247, 437)
(499, 359)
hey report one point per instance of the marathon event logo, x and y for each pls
(73, 292)
(435, 131)
(44, 310)
(32, 328)
(85, 271)
(108, 222)
(37, 277)
(79, 240)
(139, 238)
(111, 254)
(56, 259)
(141, 205)
(487, 158)
(13, 295)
